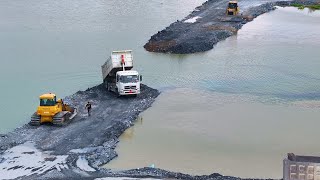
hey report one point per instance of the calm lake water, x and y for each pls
(58, 46)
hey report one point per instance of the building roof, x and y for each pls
(297, 158)
(47, 96)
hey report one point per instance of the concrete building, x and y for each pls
(301, 167)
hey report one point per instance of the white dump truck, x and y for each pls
(118, 76)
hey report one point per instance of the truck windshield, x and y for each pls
(129, 79)
(47, 102)
(232, 5)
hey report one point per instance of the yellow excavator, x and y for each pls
(233, 8)
(52, 111)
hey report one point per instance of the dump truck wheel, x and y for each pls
(117, 92)
(108, 87)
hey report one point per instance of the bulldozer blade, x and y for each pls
(75, 112)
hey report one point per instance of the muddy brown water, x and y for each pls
(239, 134)
(203, 132)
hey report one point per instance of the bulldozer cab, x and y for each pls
(48, 100)
(232, 8)
(233, 5)
(51, 101)
(52, 110)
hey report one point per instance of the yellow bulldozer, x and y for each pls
(233, 8)
(52, 111)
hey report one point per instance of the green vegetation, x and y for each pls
(315, 7)
(301, 6)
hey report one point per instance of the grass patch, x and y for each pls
(314, 7)
(301, 6)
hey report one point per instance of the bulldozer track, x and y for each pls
(61, 118)
(35, 120)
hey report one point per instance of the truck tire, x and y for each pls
(108, 87)
(117, 92)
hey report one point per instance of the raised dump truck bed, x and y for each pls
(114, 63)
(118, 76)
(301, 167)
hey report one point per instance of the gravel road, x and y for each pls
(208, 24)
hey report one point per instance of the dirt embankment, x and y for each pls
(208, 24)
(76, 150)
(84, 140)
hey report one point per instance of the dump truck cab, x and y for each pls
(233, 8)
(128, 82)
(118, 76)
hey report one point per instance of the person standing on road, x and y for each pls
(88, 107)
